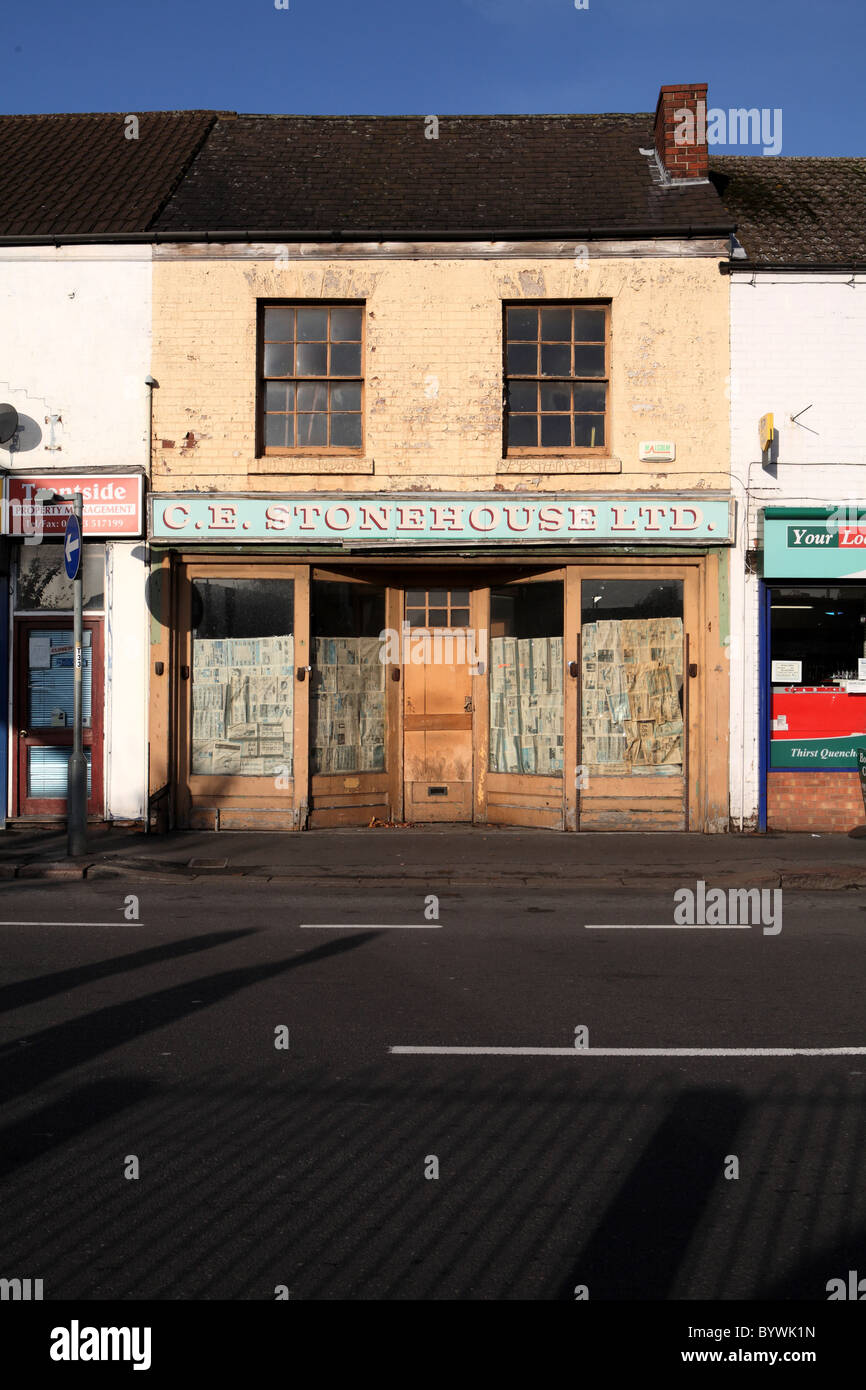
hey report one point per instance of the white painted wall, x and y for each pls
(76, 343)
(797, 340)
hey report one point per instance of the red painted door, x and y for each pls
(42, 716)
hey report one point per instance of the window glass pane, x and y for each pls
(556, 396)
(312, 429)
(459, 617)
(526, 707)
(347, 693)
(523, 431)
(417, 597)
(556, 431)
(588, 397)
(437, 596)
(522, 323)
(312, 359)
(416, 617)
(278, 359)
(522, 395)
(279, 325)
(459, 597)
(242, 677)
(42, 581)
(589, 325)
(589, 431)
(48, 773)
(346, 431)
(556, 325)
(823, 628)
(555, 360)
(347, 396)
(276, 431)
(522, 359)
(346, 325)
(632, 677)
(50, 676)
(437, 617)
(345, 359)
(278, 396)
(589, 361)
(312, 324)
(312, 396)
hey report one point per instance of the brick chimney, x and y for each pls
(681, 130)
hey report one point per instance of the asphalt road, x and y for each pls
(306, 1167)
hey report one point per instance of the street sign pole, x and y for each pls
(76, 787)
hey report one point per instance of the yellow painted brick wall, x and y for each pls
(434, 369)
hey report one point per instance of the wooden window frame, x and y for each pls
(556, 450)
(308, 450)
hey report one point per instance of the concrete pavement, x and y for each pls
(451, 854)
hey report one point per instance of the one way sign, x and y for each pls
(72, 546)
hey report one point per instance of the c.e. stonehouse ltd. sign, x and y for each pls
(438, 517)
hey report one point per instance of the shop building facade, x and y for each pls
(75, 288)
(440, 517)
(798, 594)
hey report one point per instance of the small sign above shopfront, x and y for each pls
(664, 449)
(504, 519)
(112, 504)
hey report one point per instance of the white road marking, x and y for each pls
(370, 926)
(67, 924)
(669, 926)
(634, 1051)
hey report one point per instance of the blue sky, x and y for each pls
(444, 56)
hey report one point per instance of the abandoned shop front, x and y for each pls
(547, 661)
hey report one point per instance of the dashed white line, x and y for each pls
(633, 1051)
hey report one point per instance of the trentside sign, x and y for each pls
(112, 504)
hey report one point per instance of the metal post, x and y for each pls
(76, 787)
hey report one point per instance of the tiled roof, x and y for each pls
(484, 174)
(795, 210)
(79, 174)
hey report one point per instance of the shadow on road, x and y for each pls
(30, 1061)
(24, 992)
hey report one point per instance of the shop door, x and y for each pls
(354, 700)
(636, 652)
(43, 714)
(439, 662)
(526, 704)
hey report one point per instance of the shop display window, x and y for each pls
(632, 677)
(242, 677)
(817, 634)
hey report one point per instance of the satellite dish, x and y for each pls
(8, 422)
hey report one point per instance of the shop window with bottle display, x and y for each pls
(817, 676)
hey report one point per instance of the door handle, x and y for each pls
(22, 733)
(467, 704)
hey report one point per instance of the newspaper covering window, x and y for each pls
(632, 677)
(242, 685)
(526, 650)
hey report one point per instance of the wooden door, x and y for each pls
(440, 658)
(526, 734)
(354, 700)
(636, 644)
(43, 714)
